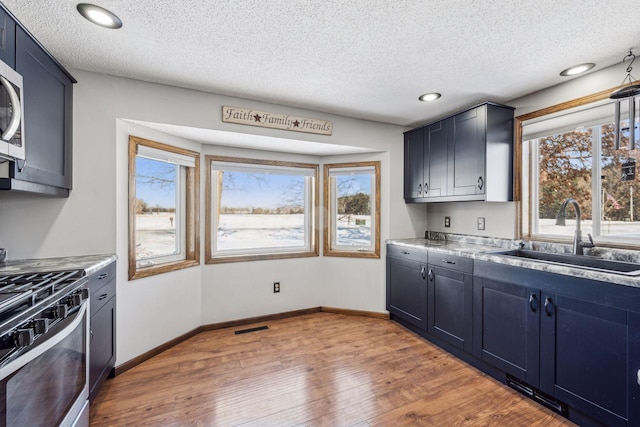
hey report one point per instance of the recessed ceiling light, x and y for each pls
(432, 96)
(577, 69)
(99, 16)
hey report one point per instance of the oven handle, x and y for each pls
(47, 345)
(12, 127)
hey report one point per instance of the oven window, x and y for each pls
(44, 390)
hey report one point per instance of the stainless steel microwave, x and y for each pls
(11, 114)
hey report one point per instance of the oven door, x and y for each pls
(47, 385)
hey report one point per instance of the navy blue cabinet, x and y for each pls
(506, 327)
(468, 156)
(407, 285)
(575, 340)
(48, 101)
(450, 299)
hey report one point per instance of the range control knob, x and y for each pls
(59, 311)
(40, 326)
(23, 337)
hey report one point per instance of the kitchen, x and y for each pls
(107, 109)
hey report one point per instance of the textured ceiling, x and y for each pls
(365, 59)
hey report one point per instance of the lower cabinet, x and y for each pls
(407, 285)
(575, 341)
(102, 324)
(450, 299)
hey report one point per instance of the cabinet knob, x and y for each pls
(480, 183)
(426, 188)
(419, 189)
(431, 275)
(423, 272)
(533, 302)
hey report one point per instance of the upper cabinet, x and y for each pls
(48, 110)
(468, 156)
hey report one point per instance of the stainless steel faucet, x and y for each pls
(578, 244)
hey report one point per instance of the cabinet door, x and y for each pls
(435, 159)
(466, 157)
(48, 97)
(407, 291)
(413, 164)
(7, 39)
(584, 360)
(102, 349)
(506, 326)
(450, 306)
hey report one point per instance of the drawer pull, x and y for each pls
(422, 272)
(102, 276)
(406, 253)
(448, 262)
(638, 376)
(103, 296)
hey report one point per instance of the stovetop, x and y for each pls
(22, 294)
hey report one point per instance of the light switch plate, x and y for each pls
(480, 223)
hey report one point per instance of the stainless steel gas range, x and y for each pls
(44, 339)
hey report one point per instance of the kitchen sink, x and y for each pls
(580, 261)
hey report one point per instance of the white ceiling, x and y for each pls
(368, 59)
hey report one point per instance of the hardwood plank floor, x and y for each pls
(320, 369)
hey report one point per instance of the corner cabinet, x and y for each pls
(407, 285)
(468, 156)
(102, 324)
(48, 110)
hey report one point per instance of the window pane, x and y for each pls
(620, 203)
(261, 211)
(565, 170)
(156, 220)
(353, 201)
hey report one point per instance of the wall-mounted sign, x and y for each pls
(629, 170)
(244, 116)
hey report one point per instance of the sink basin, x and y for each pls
(580, 261)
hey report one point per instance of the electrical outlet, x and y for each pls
(480, 223)
(276, 287)
(447, 221)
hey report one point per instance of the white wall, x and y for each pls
(501, 217)
(93, 219)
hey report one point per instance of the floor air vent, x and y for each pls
(246, 331)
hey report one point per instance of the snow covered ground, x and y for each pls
(156, 232)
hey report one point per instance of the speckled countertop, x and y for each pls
(481, 248)
(88, 263)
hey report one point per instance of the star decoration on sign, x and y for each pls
(257, 118)
(296, 124)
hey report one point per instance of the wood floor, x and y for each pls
(315, 370)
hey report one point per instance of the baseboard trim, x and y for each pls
(120, 369)
(348, 312)
(259, 319)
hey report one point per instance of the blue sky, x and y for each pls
(156, 192)
(249, 190)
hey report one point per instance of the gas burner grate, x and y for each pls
(26, 289)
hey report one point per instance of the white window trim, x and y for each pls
(310, 172)
(359, 170)
(330, 209)
(530, 175)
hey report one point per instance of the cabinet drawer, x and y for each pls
(101, 277)
(100, 296)
(406, 252)
(453, 262)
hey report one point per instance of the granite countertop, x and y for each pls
(481, 249)
(88, 263)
